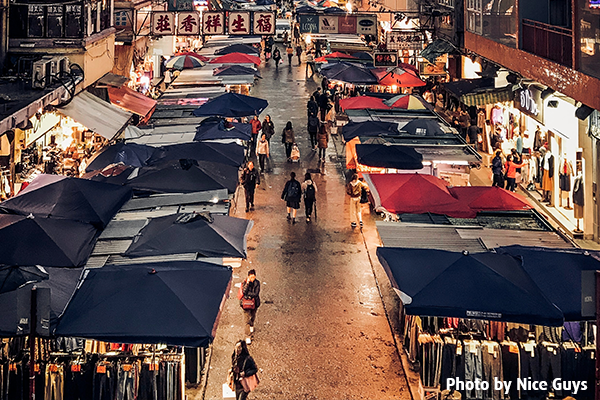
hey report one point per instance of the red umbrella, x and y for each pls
(192, 54)
(488, 198)
(415, 194)
(363, 103)
(409, 68)
(236, 58)
(335, 54)
(398, 77)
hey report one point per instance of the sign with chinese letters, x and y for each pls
(404, 41)
(180, 5)
(188, 23)
(239, 23)
(163, 23)
(328, 24)
(309, 24)
(213, 23)
(264, 23)
(366, 24)
(347, 24)
(385, 59)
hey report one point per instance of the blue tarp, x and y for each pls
(224, 153)
(216, 128)
(388, 156)
(231, 105)
(348, 72)
(369, 128)
(132, 154)
(424, 127)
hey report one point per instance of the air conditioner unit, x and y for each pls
(40, 76)
(63, 65)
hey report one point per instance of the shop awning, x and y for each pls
(97, 115)
(437, 48)
(132, 101)
(487, 97)
(477, 92)
(467, 86)
(113, 80)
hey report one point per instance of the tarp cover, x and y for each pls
(211, 236)
(224, 153)
(348, 72)
(559, 274)
(96, 114)
(64, 197)
(424, 127)
(237, 48)
(48, 242)
(437, 48)
(388, 156)
(132, 101)
(227, 70)
(363, 103)
(490, 198)
(231, 105)
(461, 285)
(369, 128)
(217, 128)
(132, 154)
(177, 303)
(236, 58)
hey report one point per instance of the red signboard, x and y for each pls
(347, 24)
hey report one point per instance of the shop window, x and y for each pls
(589, 33)
(121, 19)
(494, 19)
(45, 21)
(18, 21)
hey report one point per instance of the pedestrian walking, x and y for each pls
(317, 95)
(250, 180)
(250, 302)
(309, 192)
(310, 63)
(313, 127)
(256, 127)
(312, 108)
(243, 371)
(268, 128)
(276, 57)
(511, 173)
(323, 101)
(292, 193)
(299, 53)
(354, 189)
(262, 151)
(322, 141)
(290, 53)
(288, 139)
(268, 47)
(473, 132)
(497, 170)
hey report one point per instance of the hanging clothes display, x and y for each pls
(578, 196)
(548, 174)
(566, 171)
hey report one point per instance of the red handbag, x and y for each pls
(248, 304)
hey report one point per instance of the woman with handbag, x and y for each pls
(250, 302)
(243, 371)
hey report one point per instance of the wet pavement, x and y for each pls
(322, 330)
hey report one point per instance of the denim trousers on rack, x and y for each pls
(104, 384)
(125, 384)
(473, 368)
(54, 382)
(148, 389)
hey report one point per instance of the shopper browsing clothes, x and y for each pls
(243, 374)
(250, 302)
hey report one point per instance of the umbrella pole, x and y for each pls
(32, 329)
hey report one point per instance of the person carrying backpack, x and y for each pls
(292, 192)
(309, 190)
(354, 189)
(312, 128)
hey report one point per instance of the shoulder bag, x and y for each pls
(248, 304)
(250, 382)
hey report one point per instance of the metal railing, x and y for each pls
(548, 41)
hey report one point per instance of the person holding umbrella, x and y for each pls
(242, 367)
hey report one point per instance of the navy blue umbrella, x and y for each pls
(224, 153)
(231, 105)
(462, 285)
(12, 277)
(237, 48)
(305, 9)
(348, 72)
(264, 2)
(228, 70)
(132, 154)
(334, 10)
(216, 128)
(363, 55)
(208, 235)
(560, 273)
(69, 198)
(369, 128)
(177, 303)
(424, 127)
(388, 156)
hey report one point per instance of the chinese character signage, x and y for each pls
(366, 24)
(328, 24)
(180, 5)
(347, 24)
(188, 23)
(385, 59)
(264, 23)
(239, 23)
(404, 41)
(213, 23)
(309, 23)
(163, 23)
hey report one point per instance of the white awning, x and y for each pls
(96, 114)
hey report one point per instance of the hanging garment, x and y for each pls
(497, 116)
(578, 197)
(548, 176)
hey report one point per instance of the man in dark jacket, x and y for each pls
(312, 108)
(251, 291)
(313, 128)
(323, 105)
(497, 170)
(250, 180)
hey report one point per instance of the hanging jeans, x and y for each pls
(54, 382)
(473, 368)
(104, 385)
(125, 384)
(148, 389)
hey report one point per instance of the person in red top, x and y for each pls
(511, 173)
(256, 127)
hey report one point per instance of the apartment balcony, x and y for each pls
(548, 41)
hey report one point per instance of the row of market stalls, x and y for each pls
(133, 260)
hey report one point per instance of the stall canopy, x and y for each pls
(490, 198)
(177, 303)
(397, 77)
(185, 176)
(64, 197)
(335, 55)
(424, 127)
(12, 277)
(566, 276)
(231, 105)
(217, 128)
(184, 62)
(388, 156)
(224, 153)
(347, 72)
(235, 70)
(437, 48)
(369, 128)
(405, 101)
(48, 242)
(236, 58)
(97, 115)
(133, 154)
(191, 53)
(132, 101)
(461, 285)
(363, 103)
(209, 235)
(236, 48)
(415, 194)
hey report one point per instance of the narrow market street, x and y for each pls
(322, 331)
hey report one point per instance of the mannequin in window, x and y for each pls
(565, 173)
(548, 176)
(539, 138)
(578, 196)
(497, 115)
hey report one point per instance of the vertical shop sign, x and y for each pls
(54, 22)
(239, 23)
(73, 19)
(328, 24)
(264, 23)
(404, 41)
(163, 23)
(347, 24)
(180, 5)
(529, 101)
(36, 20)
(213, 23)
(188, 23)
(309, 24)
(366, 24)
